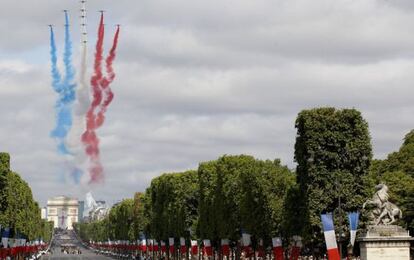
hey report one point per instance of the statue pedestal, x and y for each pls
(385, 243)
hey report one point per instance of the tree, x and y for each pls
(173, 204)
(18, 210)
(220, 195)
(140, 220)
(264, 190)
(120, 219)
(333, 152)
(397, 171)
(241, 192)
(4, 169)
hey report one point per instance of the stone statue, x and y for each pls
(383, 211)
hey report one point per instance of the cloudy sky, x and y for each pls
(199, 79)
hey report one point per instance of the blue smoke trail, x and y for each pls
(65, 89)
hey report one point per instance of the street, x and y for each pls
(65, 245)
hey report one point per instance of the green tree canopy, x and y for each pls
(333, 152)
(18, 210)
(397, 171)
(173, 204)
(241, 192)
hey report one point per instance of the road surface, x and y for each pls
(67, 239)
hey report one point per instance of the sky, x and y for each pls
(200, 79)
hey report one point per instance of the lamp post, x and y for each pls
(339, 214)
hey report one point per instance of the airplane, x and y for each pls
(65, 11)
(83, 24)
(82, 16)
(50, 25)
(118, 25)
(101, 11)
(83, 1)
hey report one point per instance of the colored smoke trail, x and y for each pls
(106, 81)
(102, 97)
(53, 56)
(81, 104)
(65, 88)
(89, 137)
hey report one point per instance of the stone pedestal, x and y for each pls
(385, 243)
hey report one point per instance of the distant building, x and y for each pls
(63, 211)
(81, 210)
(43, 213)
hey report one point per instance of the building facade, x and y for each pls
(63, 211)
(81, 210)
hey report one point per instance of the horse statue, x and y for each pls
(390, 211)
(383, 212)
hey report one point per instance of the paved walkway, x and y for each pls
(68, 238)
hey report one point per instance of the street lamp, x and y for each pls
(338, 212)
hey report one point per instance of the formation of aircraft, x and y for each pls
(83, 16)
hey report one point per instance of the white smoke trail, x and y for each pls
(81, 104)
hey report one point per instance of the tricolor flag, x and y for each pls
(225, 248)
(143, 244)
(194, 247)
(246, 241)
(207, 247)
(353, 225)
(155, 245)
(171, 244)
(261, 251)
(183, 247)
(296, 246)
(163, 246)
(277, 248)
(150, 247)
(329, 233)
(246, 238)
(5, 237)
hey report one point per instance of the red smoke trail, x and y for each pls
(100, 88)
(106, 81)
(89, 137)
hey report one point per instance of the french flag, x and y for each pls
(194, 247)
(353, 224)
(163, 247)
(225, 248)
(155, 245)
(246, 241)
(296, 246)
(143, 245)
(150, 247)
(208, 251)
(277, 248)
(171, 244)
(183, 247)
(5, 237)
(330, 239)
(261, 252)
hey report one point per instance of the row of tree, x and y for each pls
(232, 194)
(18, 210)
